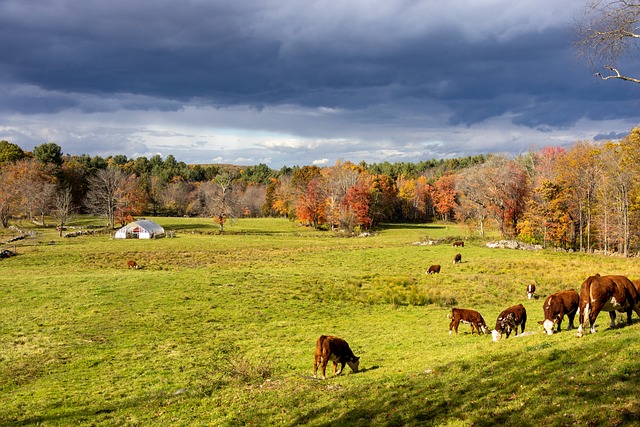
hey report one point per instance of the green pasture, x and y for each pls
(220, 330)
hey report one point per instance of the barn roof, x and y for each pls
(144, 224)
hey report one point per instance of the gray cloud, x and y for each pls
(293, 82)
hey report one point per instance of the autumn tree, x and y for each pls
(336, 182)
(383, 198)
(10, 196)
(283, 196)
(415, 198)
(606, 33)
(497, 188)
(130, 199)
(577, 170)
(444, 196)
(311, 204)
(355, 209)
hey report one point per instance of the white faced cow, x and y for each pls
(531, 289)
(556, 306)
(330, 348)
(509, 320)
(607, 293)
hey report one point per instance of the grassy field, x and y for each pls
(220, 330)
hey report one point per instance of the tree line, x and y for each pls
(585, 197)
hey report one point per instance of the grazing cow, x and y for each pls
(531, 289)
(556, 306)
(132, 264)
(330, 348)
(509, 320)
(457, 259)
(607, 293)
(456, 244)
(471, 317)
(434, 269)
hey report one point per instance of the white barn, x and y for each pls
(141, 229)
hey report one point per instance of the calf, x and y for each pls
(531, 289)
(556, 306)
(471, 317)
(509, 320)
(336, 350)
(460, 244)
(606, 293)
(457, 259)
(132, 264)
(434, 269)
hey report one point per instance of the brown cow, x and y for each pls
(434, 269)
(509, 320)
(556, 306)
(132, 264)
(461, 244)
(531, 289)
(330, 348)
(607, 293)
(471, 317)
(457, 259)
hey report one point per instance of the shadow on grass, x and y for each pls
(542, 385)
(94, 414)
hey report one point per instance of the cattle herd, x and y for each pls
(597, 293)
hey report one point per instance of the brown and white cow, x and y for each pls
(607, 293)
(336, 350)
(457, 259)
(460, 244)
(509, 320)
(434, 269)
(531, 289)
(470, 317)
(556, 306)
(132, 264)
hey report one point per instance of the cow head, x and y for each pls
(354, 363)
(496, 335)
(548, 326)
(484, 329)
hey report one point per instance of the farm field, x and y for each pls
(220, 330)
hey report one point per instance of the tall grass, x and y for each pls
(220, 330)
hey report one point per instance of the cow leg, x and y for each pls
(507, 331)
(571, 316)
(593, 315)
(612, 316)
(325, 360)
(335, 365)
(316, 362)
(583, 316)
(560, 321)
(629, 312)
(453, 324)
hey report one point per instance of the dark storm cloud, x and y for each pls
(398, 71)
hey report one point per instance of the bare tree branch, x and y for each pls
(616, 75)
(607, 32)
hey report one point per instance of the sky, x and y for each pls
(301, 82)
